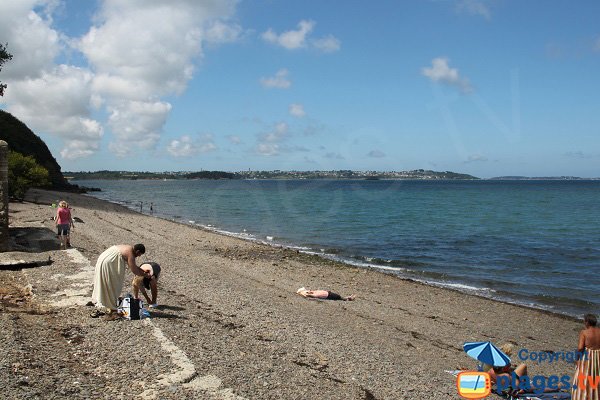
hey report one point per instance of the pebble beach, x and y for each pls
(229, 323)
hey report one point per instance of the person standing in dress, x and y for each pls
(109, 274)
(586, 382)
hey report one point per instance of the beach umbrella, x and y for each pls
(487, 353)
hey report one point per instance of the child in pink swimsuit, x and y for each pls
(64, 222)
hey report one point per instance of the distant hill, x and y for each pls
(22, 140)
(133, 175)
(419, 174)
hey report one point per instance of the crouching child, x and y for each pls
(143, 283)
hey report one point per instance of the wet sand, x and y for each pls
(230, 324)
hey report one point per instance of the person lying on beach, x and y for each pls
(143, 283)
(495, 372)
(323, 295)
(510, 376)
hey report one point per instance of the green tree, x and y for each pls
(4, 56)
(24, 172)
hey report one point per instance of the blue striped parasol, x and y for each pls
(487, 353)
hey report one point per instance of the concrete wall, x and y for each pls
(4, 238)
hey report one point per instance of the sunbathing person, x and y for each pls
(323, 295)
(509, 378)
(506, 371)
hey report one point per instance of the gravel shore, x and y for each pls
(229, 324)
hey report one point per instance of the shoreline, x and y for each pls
(230, 324)
(347, 263)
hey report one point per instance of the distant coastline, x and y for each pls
(418, 174)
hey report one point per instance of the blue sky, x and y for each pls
(487, 88)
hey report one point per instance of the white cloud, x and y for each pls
(31, 40)
(269, 142)
(327, 44)
(234, 139)
(297, 110)
(220, 32)
(137, 52)
(136, 124)
(291, 39)
(148, 45)
(474, 7)
(298, 39)
(185, 146)
(79, 148)
(47, 97)
(441, 72)
(278, 81)
(267, 149)
(278, 133)
(376, 154)
(207, 143)
(58, 101)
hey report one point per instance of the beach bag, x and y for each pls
(131, 308)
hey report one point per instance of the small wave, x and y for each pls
(399, 263)
(239, 235)
(355, 262)
(299, 248)
(463, 287)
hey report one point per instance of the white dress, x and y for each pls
(108, 278)
(586, 382)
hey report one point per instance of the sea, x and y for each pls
(530, 242)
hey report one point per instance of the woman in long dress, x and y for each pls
(586, 382)
(110, 273)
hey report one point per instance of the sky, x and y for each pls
(483, 87)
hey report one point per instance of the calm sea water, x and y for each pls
(535, 243)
